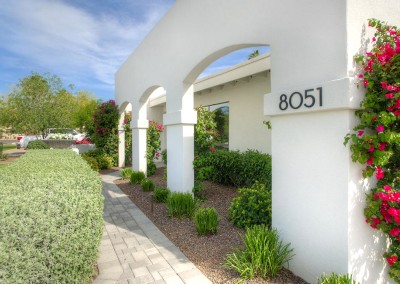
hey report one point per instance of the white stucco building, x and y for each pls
(318, 193)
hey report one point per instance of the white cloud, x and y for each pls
(68, 41)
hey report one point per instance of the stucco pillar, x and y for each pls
(121, 141)
(139, 127)
(179, 121)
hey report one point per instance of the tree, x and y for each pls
(86, 105)
(254, 54)
(38, 102)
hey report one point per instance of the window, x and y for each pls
(221, 118)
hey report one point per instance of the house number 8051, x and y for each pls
(297, 99)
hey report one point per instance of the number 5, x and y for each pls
(307, 96)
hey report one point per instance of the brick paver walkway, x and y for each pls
(134, 250)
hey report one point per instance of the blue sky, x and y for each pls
(82, 41)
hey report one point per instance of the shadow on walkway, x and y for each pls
(133, 249)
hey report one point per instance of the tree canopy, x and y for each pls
(39, 102)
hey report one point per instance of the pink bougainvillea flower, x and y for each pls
(360, 132)
(387, 188)
(384, 85)
(374, 117)
(382, 146)
(391, 88)
(380, 128)
(393, 212)
(391, 260)
(360, 76)
(380, 174)
(383, 196)
(371, 149)
(396, 112)
(373, 39)
(370, 161)
(365, 82)
(389, 96)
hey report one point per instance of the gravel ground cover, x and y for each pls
(207, 253)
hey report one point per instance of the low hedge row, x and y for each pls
(241, 169)
(50, 219)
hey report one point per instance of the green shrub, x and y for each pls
(147, 185)
(264, 254)
(198, 190)
(206, 220)
(137, 177)
(253, 206)
(336, 279)
(161, 194)
(1, 148)
(92, 163)
(126, 173)
(104, 160)
(151, 168)
(234, 168)
(164, 156)
(181, 204)
(51, 219)
(3, 156)
(165, 174)
(37, 144)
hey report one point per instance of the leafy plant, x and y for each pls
(137, 177)
(336, 279)
(126, 173)
(164, 156)
(147, 184)
(51, 219)
(198, 190)
(253, 206)
(92, 163)
(161, 194)
(153, 145)
(104, 161)
(181, 205)
(37, 144)
(264, 254)
(375, 141)
(206, 220)
(234, 168)
(3, 156)
(205, 134)
(105, 132)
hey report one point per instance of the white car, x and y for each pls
(64, 134)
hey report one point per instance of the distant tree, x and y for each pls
(255, 53)
(38, 102)
(86, 105)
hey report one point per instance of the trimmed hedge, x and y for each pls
(37, 144)
(50, 219)
(234, 168)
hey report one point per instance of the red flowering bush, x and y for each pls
(205, 131)
(376, 143)
(153, 145)
(85, 141)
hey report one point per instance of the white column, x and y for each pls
(121, 141)
(139, 127)
(314, 181)
(179, 121)
(121, 147)
(180, 141)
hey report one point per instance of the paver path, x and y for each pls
(134, 250)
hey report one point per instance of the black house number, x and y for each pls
(308, 99)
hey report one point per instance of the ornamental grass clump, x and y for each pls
(263, 256)
(206, 220)
(147, 185)
(336, 279)
(126, 173)
(161, 194)
(181, 205)
(137, 177)
(51, 219)
(375, 140)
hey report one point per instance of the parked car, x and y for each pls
(23, 142)
(64, 134)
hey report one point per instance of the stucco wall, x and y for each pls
(246, 114)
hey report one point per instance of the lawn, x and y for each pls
(9, 147)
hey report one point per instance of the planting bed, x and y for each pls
(207, 253)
